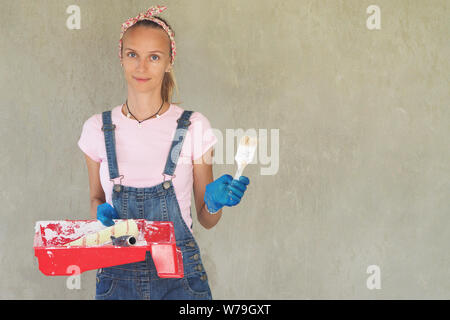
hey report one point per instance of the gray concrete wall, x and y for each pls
(363, 120)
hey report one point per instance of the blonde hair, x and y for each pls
(169, 82)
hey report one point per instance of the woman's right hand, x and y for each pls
(106, 213)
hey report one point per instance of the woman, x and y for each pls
(144, 158)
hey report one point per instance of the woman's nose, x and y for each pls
(142, 64)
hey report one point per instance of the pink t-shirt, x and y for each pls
(142, 152)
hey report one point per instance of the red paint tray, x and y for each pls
(55, 259)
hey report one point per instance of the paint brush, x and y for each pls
(244, 154)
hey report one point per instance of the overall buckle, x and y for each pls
(167, 183)
(108, 127)
(117, 187)
(184, 122)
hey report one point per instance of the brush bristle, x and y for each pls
(246, 150)
(248, 141)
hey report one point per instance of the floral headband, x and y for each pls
(148, 15)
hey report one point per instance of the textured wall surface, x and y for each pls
(364, 126)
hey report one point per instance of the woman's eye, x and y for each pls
(151, 58)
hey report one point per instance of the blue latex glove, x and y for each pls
(225, 191)
(105, 213)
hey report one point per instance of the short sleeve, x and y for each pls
(89, 139)
(202, 135)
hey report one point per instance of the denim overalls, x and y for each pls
(157, 203)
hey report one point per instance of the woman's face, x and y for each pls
(145, 55)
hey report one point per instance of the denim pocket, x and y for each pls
(196, 285)
(104, 286)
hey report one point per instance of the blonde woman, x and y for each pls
(144, 158)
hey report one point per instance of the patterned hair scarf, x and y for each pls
(149, 15)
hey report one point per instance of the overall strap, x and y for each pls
(177, 143)
(108, 130)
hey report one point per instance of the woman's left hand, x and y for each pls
(225, 191)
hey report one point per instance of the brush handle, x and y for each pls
(239, 171)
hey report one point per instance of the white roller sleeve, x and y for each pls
(127, 227)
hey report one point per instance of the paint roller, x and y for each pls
(126, 228)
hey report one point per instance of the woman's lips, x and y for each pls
(141, 80)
